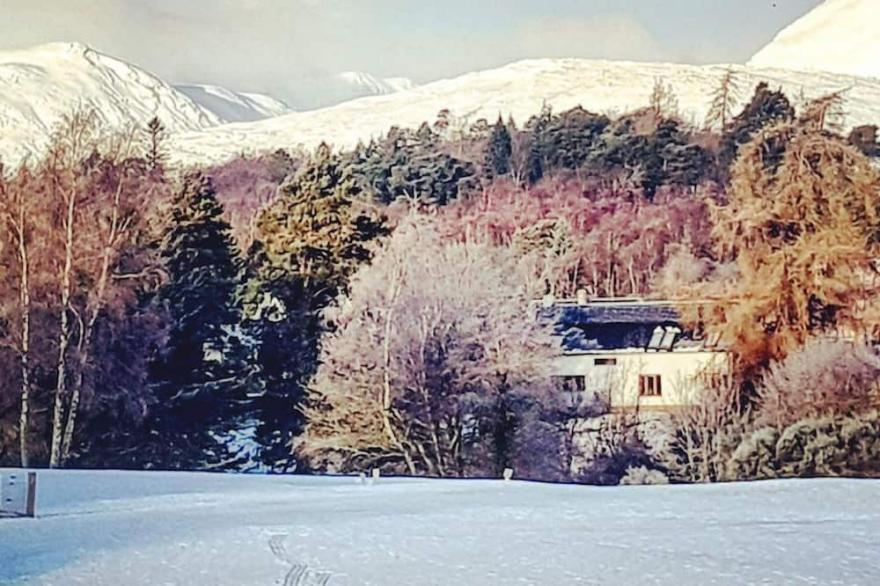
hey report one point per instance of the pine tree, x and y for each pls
(155, 138)
(766, 108)
(537, 128)
(499, 150)
(724, 100)
(309, 242)
(864, 138)
(202, 377)
(664, 102)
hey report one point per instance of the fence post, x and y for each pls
(31, 505)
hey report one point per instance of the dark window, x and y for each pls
(572, 384)
(604, 361)
(649, 385)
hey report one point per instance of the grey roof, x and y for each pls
(614, 324)
(609, 312)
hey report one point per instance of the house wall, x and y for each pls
(679, 373)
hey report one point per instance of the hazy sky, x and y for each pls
(272, 45)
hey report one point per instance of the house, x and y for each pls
(634, 353)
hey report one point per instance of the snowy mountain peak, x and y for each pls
(74, 48)
(840, 36)
(42, 84)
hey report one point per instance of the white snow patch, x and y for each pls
(191, 529)
(841, 36)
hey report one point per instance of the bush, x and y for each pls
(642, 475)
(755, 456)
(827, 446)
(823, 378)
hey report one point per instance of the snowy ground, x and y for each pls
(190, 529)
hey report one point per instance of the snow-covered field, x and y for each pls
(191, 529)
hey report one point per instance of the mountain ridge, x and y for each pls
(520, 90)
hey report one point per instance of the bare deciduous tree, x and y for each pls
(432, 355)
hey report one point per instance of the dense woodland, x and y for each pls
(340, 310)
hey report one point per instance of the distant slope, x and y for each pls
(841, 36)
(232, 106)
(325, 91)
(372, 85)
(520, 90)
(40, 85)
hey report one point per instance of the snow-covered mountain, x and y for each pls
(312, 93)
(520, 90)
(374, 86)
(841, 36)
(38, 86)
(232, 106)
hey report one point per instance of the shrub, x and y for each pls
(823, 378)
(826, 446)
(642, 475)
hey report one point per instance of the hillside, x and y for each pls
(38, 86)
(225, 529)
(520, 90)
(840, 36)
(231, 106)
(324, 91)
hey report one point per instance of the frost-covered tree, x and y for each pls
(433, 356)
(824, 378)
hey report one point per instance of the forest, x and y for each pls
(347, 309)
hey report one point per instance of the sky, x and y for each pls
(280, 46)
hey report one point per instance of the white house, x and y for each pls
(633, 352)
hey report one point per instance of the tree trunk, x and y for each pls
(24, 350)
(63, 336)
(386, 386)
(86, 340)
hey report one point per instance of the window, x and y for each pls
(649, 385)
(604, 361)
(572, 384)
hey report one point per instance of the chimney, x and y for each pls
(582, 298)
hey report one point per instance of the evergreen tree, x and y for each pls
(309, 241)
(724, 100)
(766, 108)
(155, 156)
(864, 138)
(664, 102)
(410, 165)
(202, 377)
(571, 138)
(499, 150)
(537, 128)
